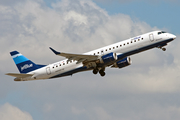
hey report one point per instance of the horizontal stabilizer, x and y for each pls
(19, 75)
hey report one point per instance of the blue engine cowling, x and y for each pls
(108, 58)
(122, 63)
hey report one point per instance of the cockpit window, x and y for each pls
(159, 33)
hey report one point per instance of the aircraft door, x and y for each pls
(151, 37)
(48, 71)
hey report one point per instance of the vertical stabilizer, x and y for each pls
(24, 65)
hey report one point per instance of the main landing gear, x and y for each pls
(101, 72)
(95, 71)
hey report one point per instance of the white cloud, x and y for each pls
(9, 112)
(78, 18)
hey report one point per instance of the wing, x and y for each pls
(78, 57)
(19, 75)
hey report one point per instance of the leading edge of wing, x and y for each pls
(75, 56)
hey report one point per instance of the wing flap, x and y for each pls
(19, 75)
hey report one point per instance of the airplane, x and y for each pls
(115, 56)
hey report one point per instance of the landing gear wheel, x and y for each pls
(102, 73)
(95, 71)
(164, 49)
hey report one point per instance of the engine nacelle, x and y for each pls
(123, 63)
(108, 58)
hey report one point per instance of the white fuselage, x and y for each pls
(129, 46)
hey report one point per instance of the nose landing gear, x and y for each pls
(164, 49)
(95, 71)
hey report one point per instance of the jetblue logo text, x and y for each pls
(26, 66)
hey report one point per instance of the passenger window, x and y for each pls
(59, 64)
(109, 48)
(134, 40)
(138, 39)
(98, 52)
(131, 42)
(142, 38)
(117, 46)
(106, 49)
(124, 44)
(120, 45)
(63, 63)
(94, 53)
(113, 47)
(127, 42)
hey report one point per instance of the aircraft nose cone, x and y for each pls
(172, 36)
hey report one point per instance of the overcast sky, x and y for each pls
(147, 90)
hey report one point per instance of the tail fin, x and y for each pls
(24, 65)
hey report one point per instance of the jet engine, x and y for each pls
(108, 58)
(122, 63)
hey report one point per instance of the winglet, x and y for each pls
(57, 53)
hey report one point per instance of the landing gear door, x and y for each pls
(48, 71)
(151, 37)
